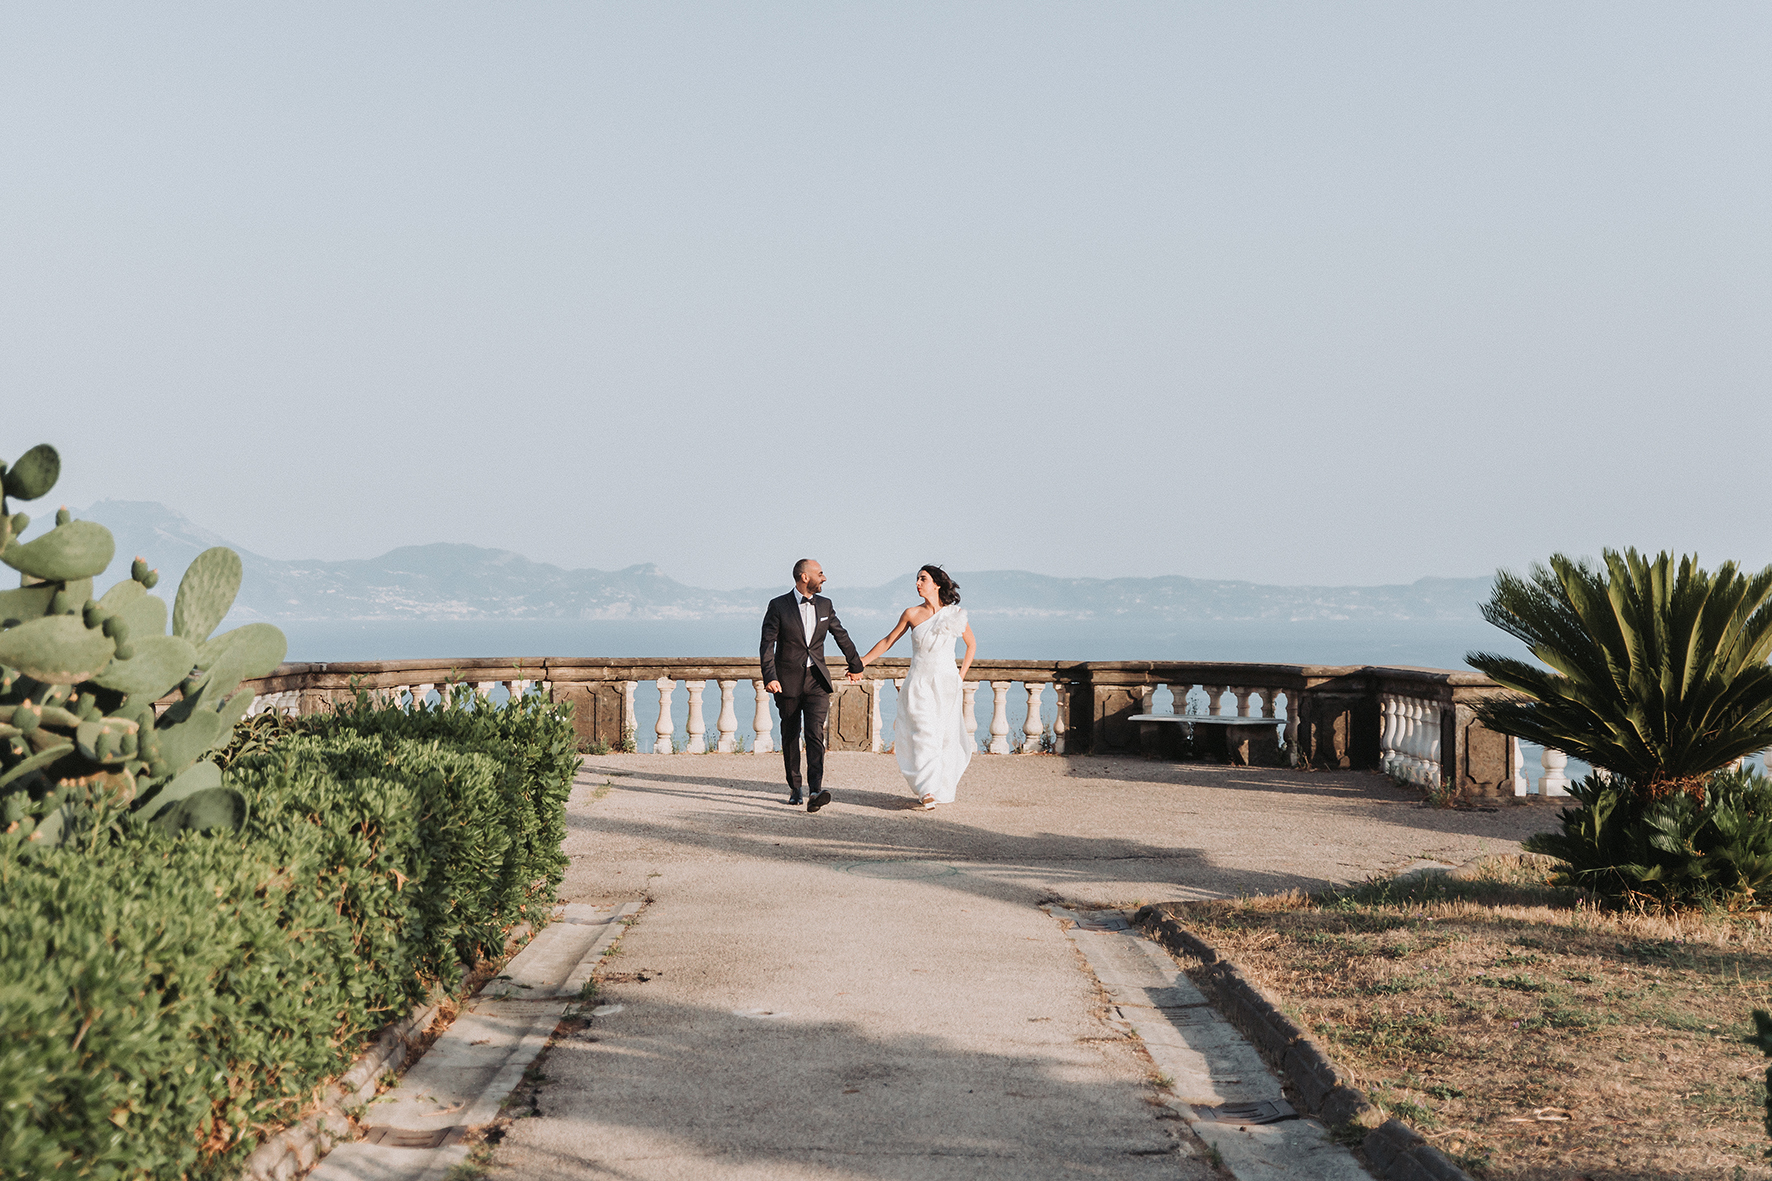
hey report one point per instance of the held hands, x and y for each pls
(852, 677)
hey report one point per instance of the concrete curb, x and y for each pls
(1396, 1151)
(300, 1146)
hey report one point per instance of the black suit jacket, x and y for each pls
(784, 648)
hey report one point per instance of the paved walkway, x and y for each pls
(874, 992)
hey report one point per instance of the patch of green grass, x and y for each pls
(1406, 1035)
(1415, 1113)
(1677, 1019)
(1518, 982)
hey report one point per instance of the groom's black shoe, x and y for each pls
(796, 798)
(818, 801)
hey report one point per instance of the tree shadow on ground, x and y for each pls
(671, 1088)
(1020, 869)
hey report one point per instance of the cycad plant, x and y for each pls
(1657, 673)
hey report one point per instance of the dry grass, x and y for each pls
(1527, 1034)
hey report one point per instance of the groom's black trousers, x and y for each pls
(812, 707)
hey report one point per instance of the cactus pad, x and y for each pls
(159, 663)
(78, 678)
(79, 549)
(121, 595)
(55, 649)
(35, 473)
(144, 616)
(206, 593)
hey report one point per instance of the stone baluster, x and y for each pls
(1214, 699)
(968, 699)
(1554, 781)
(1436, 774)
(485, 687)
(1387, 734)
(1032, 728)
(999, 717)
(762, 723)
(629, 727)
(1516, 761)
(1404, 763)
(1270, 704)
(698, 730)
(728, 723)
(421, 694)
(1061, 692)
(517, 688)
(1422, 739)
(1293, 696)
(1242, 696)
(666, 729)
(874, 724)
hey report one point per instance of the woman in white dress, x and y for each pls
(929, 732)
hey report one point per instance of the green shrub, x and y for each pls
(1656, 671)
(534, 743)
(161, 1000)
(166, 1002)
(1677, 849)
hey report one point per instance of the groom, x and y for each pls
(794, 630)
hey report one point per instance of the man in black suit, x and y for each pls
(794, 631)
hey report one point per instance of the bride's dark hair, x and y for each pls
(945, 586)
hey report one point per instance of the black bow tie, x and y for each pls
(804, 599)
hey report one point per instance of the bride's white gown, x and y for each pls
(929, 730)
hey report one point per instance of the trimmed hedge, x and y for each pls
(164, 1003)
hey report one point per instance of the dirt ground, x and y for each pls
(1528, 1034)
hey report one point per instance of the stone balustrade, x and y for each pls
(1415, 724)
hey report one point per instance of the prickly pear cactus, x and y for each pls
(79, 676)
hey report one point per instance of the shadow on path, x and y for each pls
(662, 1085)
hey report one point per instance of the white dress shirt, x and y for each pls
(808, 620)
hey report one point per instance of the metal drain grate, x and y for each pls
(1267, 1111)
(403, 1138)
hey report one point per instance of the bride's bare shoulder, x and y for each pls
(917, 614)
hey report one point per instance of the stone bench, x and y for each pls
(1242, 742)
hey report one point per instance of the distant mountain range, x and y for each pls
(451, 582)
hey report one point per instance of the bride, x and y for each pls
(929, 731)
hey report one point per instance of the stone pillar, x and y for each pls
(1554, 782)
(850, 723)
(762, 723)
(1338, 726)
(1481, 765)
(999, 717)
(728, 722)
(878, 742)
(1061, 693)
(968, 697)
(697, 725)
(630, 725)
(665, 729)
(1032, 728)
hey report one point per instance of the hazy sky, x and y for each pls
(1298, 293)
